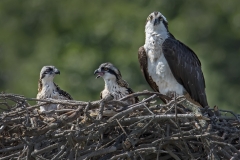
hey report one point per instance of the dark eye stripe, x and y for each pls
(49, 69)
(42, 76)
(112, 72)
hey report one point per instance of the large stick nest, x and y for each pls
(109, 129)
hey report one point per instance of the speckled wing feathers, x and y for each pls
(122, 83)
(63, 93)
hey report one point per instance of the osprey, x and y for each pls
(48, 89)
(114, 84)
(168, 65)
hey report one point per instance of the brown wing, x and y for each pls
(122, 83)
(63, 93)
(142, 58)
(186, 68)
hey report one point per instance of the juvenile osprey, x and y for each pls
(48, 89)
(167, 64)
(114, 84)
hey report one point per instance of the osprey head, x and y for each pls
(156, 22)
(107, 71)
(48, 73)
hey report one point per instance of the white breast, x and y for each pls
(114, 89)
(111, 87)
(48, 91)
(158, 67)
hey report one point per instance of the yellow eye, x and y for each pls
(105, 69)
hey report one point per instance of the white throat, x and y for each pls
(47, 81)
(159, 29)
(110, 85)
(158, 33)
(48, 85)
(154, 38)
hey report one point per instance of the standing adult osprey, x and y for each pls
(114, 84)
(48, 89)
(167, 64)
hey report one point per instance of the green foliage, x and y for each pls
(77, 36)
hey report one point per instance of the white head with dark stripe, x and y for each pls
(156, 22)
(108, 72)
(48, 73)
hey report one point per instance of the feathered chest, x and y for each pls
(158, 67)
(48, 91)
(115, 90)
(153, 42)
(157, 64)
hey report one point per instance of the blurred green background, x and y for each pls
(77, 36)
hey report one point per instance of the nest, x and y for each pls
(110, 129)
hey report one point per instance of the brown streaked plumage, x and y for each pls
(114, 84)
(48, 89)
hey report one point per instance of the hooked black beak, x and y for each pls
(96, 72)
(56, 71)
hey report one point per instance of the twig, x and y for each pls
(99, 152)
(143, 130)
(20, 146)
